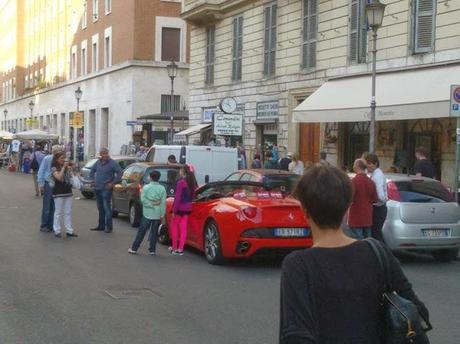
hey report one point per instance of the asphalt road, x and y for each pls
(89, 290)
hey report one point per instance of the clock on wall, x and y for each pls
(228, 105)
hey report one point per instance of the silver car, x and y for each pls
(422, 215)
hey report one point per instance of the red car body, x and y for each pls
(249, 219)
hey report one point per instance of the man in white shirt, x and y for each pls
(379, 210)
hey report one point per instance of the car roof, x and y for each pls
(161, 165)
(401, 177)
(268, 172)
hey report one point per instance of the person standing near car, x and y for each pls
(331, 292)
(35, 161)
(364, 195)
(104, 173)
(285, 162)
(45, 183)
(153, 199)
(379, 209)
(423, 167)
(182, 207)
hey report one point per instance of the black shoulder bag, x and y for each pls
(403, 323)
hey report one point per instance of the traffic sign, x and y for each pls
(128, 123)
(77, 120)
(455, 100)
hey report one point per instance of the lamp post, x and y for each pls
(78, 94)
(374, 12)
(31, 107)
(172, 73)
(5, 113)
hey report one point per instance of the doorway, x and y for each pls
(356, 142)
(309, 141)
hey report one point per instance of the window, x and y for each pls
(108, 6)
(94, 54)
(270, 40)
(84, 58)
(73, 66)
(166, 103)
(237, 47)
(424, 15)
(95, 10)
(358, 32)
(108, 47)
(170, 44)
(210, 54)
(84, 17)
(26, 81)
(310, 29)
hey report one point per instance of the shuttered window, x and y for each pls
(358, 32)
(310, 29)
(424, 25)
(170, 44)
(166, 103)
(270, 40)
(210, 54)
(237, 48)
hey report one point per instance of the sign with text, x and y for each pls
(455, 100)
(228, 125)
(77, 120)
(208, 114)
(268, 110)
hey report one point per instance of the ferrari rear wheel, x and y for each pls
(212, 245)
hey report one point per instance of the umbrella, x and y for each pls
(35, 134)
(6, 135)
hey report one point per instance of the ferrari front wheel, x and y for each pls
(212, 245)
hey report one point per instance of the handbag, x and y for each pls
(403, 323)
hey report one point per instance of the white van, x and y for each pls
(211, 163)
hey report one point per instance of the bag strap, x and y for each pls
(384, 263)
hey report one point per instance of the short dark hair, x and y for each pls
(155, 175)
(422, 151)
(172, 158)
(372, 158)
(325, 193)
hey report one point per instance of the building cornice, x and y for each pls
(205, 13)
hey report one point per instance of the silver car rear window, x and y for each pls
(423, 191)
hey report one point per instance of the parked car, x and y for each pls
(126, 193)
(422, 215)
(87, 190)
(238, 219)
(283, 179)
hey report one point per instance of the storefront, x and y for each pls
(157, 128)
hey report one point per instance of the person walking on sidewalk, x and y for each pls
(379, 209)
(46, 183)
(62, 194)
(35, 161)
(104, 173)
(153, 199)
(182, 207)
(364, 195)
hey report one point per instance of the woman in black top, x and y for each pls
(331, 293)
(62, 194)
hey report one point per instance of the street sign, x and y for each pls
(455, 100)
(228, 125)
(31, 121)
(129, 123)
(77, 120)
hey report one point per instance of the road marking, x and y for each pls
(117, 293)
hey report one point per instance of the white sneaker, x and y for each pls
(178, 253)
(170, 249)
(130, 250)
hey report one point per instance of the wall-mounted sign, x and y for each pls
(228, 125)
(267, 110)
(455, 100)
(208, 114)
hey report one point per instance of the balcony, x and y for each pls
(204, 12)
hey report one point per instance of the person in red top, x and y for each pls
(364, 195)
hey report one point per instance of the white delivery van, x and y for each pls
(211, 163)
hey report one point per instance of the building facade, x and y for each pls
(115, 51)
(272, 55)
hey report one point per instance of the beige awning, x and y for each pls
(411, 94)
(193, 129)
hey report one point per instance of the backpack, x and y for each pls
(34, 164)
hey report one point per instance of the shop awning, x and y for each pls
(193, 130)
(411, 94)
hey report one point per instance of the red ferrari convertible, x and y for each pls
(237, 219)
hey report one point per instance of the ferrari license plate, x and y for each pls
(291, 232)
(436, 233)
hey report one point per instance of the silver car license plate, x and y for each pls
(291, 232)
(436, 233)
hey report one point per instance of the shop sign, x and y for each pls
(208, 114)
(267, 110)
(77, 120)
(228, 124)
(455, 100)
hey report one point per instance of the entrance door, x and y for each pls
(356, 143)
(309, 141)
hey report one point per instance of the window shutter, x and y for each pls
(273, 40)
(266, 40)
(210, 54)
(354, 31)
(424, 25)
(310, 28)
(237, 48)
(240, 48)
(270, 39)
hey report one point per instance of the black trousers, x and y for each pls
(379, 216)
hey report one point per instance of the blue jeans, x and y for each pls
(147, 224)
(360, 233)
(48, 208)
(104, 206)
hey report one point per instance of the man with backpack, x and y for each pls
(36, 159)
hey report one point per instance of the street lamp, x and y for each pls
(78, 94)
(374, 12)
(5, 113)
(31, 107)
(172, 73)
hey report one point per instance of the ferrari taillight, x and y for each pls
(249, 212)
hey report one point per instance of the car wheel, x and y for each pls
(87, 194)
(212, 245)
(163, 235)
(134, 215)
(445, 255)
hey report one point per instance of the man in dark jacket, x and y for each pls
(284, 162)
(423, 167)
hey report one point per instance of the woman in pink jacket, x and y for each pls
(182, 207)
